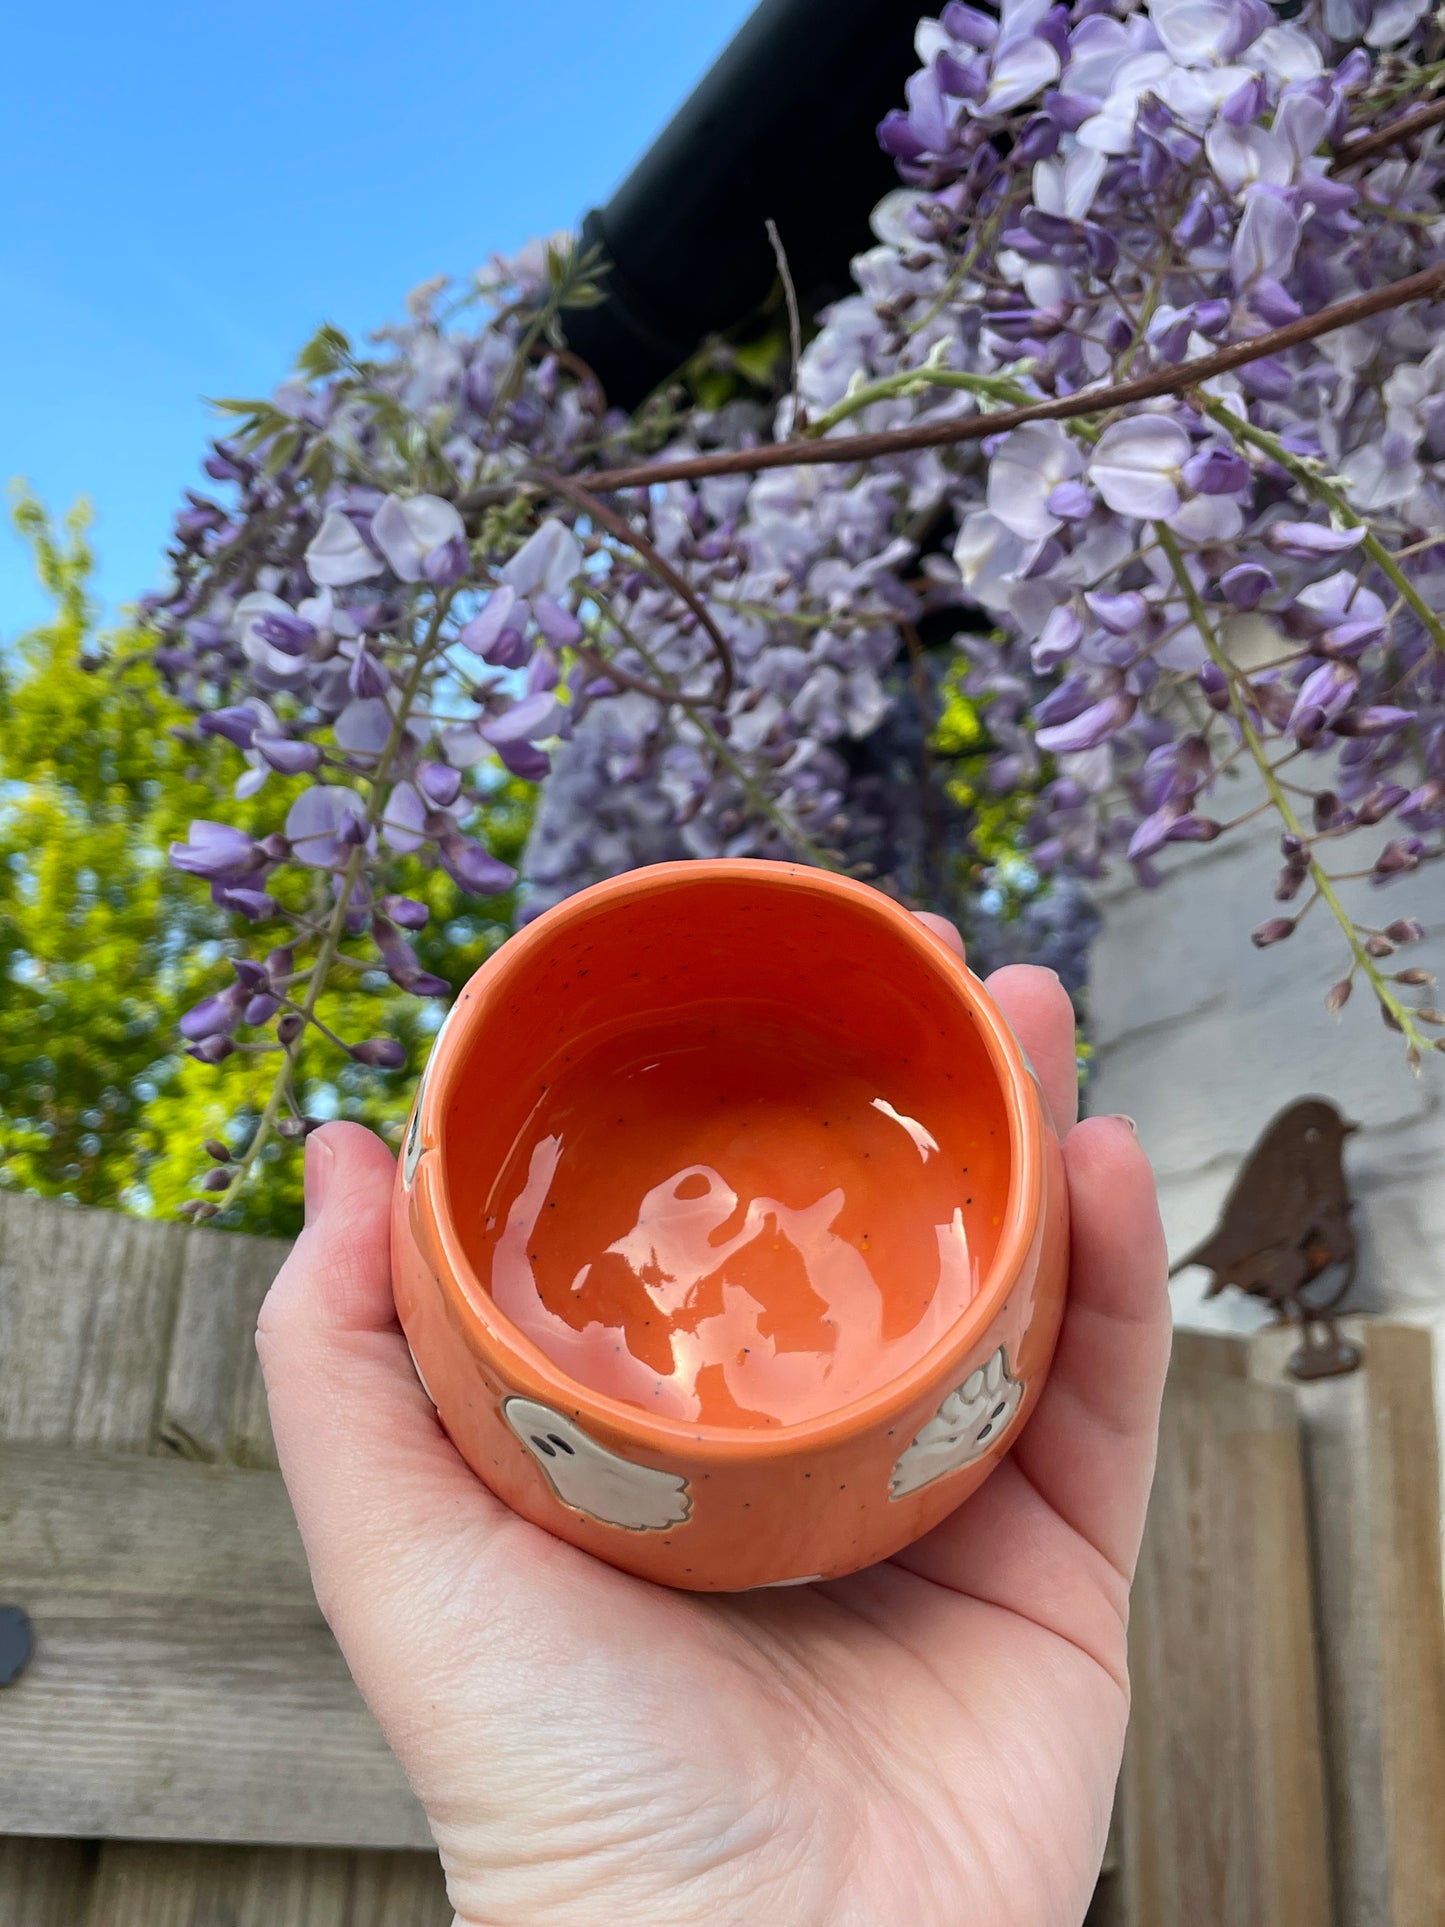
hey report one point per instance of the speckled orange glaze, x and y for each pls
(685, 1500)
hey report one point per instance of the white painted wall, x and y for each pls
(1201, 1039)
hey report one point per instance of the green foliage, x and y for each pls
(103, 944)
(962, 742)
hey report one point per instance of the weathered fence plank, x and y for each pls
(184, 1684)
(1405, 1512)
(1223, 1799)
(193, 1886)
(86, 1304)
(397, 1890)
(177, 1886)
(214, 1405)
(87, 1300)
(184, 1673)
(76, 1525)
(129, 1337)
(1372, 1481)
(45, 1883)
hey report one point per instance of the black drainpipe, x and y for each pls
(782, 126)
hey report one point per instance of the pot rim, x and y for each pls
(496, 1339)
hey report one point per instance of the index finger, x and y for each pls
(1042, 1015)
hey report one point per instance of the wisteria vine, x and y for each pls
(1131, 437)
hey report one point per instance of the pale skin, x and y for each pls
(933, 1742)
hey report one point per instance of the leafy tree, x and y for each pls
(103, 944)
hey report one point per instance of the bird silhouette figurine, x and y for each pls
(1285, 1224)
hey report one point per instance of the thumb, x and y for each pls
(380, 1493)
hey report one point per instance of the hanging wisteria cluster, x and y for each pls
(1250, 569)
(447, 559)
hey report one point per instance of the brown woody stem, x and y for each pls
(1092, 401)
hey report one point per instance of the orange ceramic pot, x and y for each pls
(730, 1233)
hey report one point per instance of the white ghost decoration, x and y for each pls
(592, 1480)
(421, 1375)
(411, 1153)
(967, 1423)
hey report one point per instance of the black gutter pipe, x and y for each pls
(782, 126)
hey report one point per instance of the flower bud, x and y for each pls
(440, 784)
(384, 1053)
(1215, 684)
(406, 912)
(286, 755)
(366, 676)
(1337, 996)
(1399, 856)
(216, 1180)
(290, 1027)
(211, 1050)
(214, 1148)
(213, 1016)
(1415, 975)
(1274, 931)
(1405, 930)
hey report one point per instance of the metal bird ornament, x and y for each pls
(1285, 1225)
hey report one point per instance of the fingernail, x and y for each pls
(319, 1159)
(1119, 1118)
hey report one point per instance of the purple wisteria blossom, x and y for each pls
(389, 616)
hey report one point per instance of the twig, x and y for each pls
(1314, 483)
(1360, 147)
(335, 926)
(799, 839)
(914, 381)
(798, 418)
(619, 526)
(1091, 401)
(1319, 876)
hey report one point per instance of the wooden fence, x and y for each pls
(185, 1748)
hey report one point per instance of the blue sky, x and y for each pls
(194, 188)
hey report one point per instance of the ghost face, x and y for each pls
(970, 1420)
(594, 1481)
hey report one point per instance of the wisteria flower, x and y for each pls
(324, 823)
(337, 555)
(410, 533)
(547, 562)
(217, 852)
(1026, 469)
(392, 604)
(1137, 466)
(1266, 240)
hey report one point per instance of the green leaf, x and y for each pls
(230, 405)
(326, 351)
(283, 447)
(761, 360)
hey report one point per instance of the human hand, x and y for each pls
(934, 1741)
